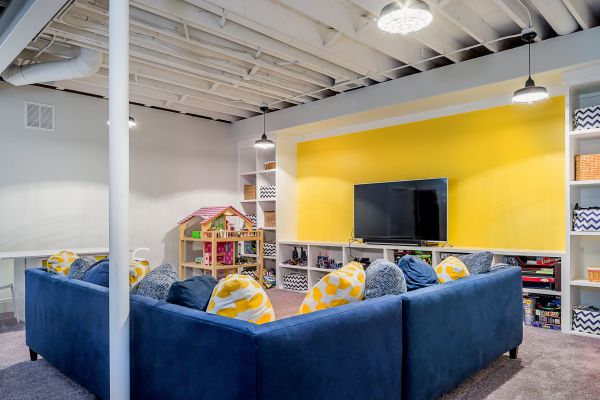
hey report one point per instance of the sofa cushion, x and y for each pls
(192, 293)
(451, 269)
(60, 262)
(383, 278)
(157, 283)
(98, 273)
(80, 266)
(343, 286)
(241, 297)
(417, 272)
(478, 263)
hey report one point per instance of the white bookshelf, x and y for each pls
(582, 248)
(251, 171)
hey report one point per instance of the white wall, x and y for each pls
(53, 185)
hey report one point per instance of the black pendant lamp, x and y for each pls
(530, 93)
(264, 142)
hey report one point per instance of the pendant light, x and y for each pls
(404, 17)
(530, 93)
(264, 142)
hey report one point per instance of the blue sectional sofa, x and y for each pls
(414, 346)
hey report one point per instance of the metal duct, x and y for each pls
(558, 15)
(87, 63)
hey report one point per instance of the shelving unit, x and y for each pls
(251, 168)
(583, 248)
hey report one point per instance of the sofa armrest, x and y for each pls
(353, 351)
(179, 353)
(452, 330)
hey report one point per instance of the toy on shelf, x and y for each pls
(218, 235)
(301, 260)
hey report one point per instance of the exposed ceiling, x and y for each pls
(223, 59)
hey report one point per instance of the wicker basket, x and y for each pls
(249, 192)
(270, 219)
(587, 167)
(270, 165)
(594, 274)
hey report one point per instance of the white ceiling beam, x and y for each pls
(515, 9)
(338, 16)
(466, 19)
(20, 23)
(582, 13)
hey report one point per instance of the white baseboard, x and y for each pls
(6, 305)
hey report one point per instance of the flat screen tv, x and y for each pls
(407, 212)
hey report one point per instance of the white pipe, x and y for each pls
(87, 63)
(118, 201)
(558, 15)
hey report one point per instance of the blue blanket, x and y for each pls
(417, 272)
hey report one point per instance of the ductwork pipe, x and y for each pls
(558, 15)
(87, 63)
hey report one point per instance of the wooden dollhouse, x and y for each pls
(211, 232)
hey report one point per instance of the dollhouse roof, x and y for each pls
(207, 214)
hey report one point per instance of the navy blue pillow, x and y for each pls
(192, 293)
(417, 272)
(98, 273)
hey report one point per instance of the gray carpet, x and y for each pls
(551, 366)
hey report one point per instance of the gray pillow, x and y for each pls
(478, 263)
(383, 278)
(158, 282)
(80, 266)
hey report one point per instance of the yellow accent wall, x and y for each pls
(505, 168)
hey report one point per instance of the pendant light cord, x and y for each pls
(529, 49)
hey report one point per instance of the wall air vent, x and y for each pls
(39, 116)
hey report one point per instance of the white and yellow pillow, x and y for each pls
(60, 263)
(137, 270)
(343, 286)
(241, 297)
(451, 269)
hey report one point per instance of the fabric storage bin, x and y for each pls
(295, 281)
(270, 219)
(587, 118)
(586, 319)
(252, 217)
(270, 165)
(249, 192)
(587, 167)
(252, 273)
(586, 219)
(267, 192)
(269, 249)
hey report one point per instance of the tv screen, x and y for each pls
(402, 212)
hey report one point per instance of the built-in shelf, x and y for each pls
(269, 229)
(592, 335)
(300, 268)
(585, 134)
(247, 201)
(583, 233)
(249, 173)
(269, 257)
(267, 200)
(595, 182)
(266, 171)
(585, 283)
(541, 291)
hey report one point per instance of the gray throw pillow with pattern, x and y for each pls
(80, 266)
(478, 263)
(158, 282)
(383, 278)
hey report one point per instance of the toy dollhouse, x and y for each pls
(212, 232)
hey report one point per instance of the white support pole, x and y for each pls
(118, 149)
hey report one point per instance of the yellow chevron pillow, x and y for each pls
(451, 269)
(60, 263)
(137, 270)
(343, 286)
(241, 297)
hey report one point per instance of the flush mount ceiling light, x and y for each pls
(404, 17)
(530, 93)
(132, 123)
(264, 142)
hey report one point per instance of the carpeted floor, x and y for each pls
(551, 365)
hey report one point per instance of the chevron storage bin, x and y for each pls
(586, 219)
(587, 118)
(267, 192)
(295, 281)
(586, 319)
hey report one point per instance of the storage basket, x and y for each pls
(295, 281)
(270, 165)
(586, 319)
(268, 192)
(587, 118)
(270, 220)
(594, 274)
(249, 192)
(269, 249)
(587, 167)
